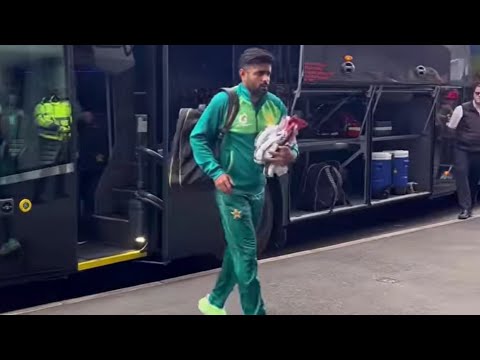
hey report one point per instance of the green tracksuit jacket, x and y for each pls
(237, 154)
(239, 212)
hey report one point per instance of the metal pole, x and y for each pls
(153, 140)
(108, 90)
(234, 67)
(300, 79)
(166, 146)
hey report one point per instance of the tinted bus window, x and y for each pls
(35, 113)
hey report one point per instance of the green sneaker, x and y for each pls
(206, 308)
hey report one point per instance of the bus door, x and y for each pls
(37, 180)
(450, 96)
(444, 142)
(116, 89)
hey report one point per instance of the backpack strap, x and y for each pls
(328, 171)
(337, 173)
(233, 107)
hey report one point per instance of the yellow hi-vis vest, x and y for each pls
(54, 119)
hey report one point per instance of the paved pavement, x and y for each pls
(431, 271)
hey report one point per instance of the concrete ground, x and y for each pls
(435, 270)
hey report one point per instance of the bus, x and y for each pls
(95, 190)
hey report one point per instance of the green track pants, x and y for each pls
(240, 215)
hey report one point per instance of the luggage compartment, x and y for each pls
(410, 111)
(335, 135)
(344, 128)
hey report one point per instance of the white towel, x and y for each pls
(268, 141)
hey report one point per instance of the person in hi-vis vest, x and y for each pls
(53, 118)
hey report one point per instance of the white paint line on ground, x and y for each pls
(213, 271)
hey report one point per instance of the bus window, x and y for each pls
(35, 113)
(460, 58)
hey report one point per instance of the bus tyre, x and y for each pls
(264, 229)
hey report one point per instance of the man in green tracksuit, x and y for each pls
(240, 182)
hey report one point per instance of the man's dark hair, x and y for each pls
(476, 84)
(255, 56)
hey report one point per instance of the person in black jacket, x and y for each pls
(465, 121)
(93, 157)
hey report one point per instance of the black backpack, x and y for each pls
(184, 171)
(322, 187)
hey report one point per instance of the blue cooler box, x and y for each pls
(400, 171)
(400, 161)
(381, 174)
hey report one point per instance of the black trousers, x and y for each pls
(467, 176)
(52, 153)
(88, 182)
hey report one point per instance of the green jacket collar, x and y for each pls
(245, 93)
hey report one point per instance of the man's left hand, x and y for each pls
(283, 156)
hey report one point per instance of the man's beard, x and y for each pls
(262, 90)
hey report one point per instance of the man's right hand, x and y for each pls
(225, 184)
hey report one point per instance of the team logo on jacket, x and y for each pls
(243, 120)
(237, 214)
(269, 120)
